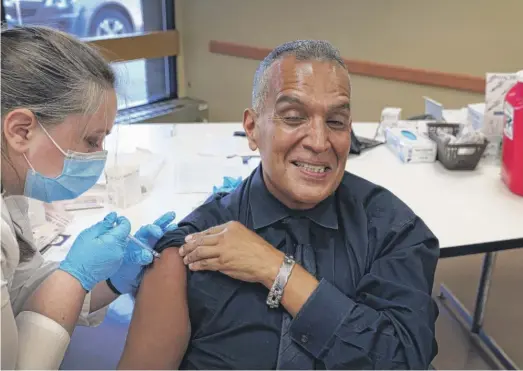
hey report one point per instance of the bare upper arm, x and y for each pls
(160, 328)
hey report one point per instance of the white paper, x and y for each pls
(84, 202)
(45, 233)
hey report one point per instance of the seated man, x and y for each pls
(304, 265)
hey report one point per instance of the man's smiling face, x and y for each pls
(302, 130)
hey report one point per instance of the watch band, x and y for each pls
(276, 291)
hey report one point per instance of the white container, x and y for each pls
(389, 117)
(411, 146)
(390, 114)
(123, 185)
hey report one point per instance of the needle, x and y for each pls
(143, 246)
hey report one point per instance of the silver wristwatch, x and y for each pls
(276, 292)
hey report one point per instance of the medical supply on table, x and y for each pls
(389, 116)
(512, 155)
(410, 146)
(143, 246)
(433, 109)
(496, 88)
(229, 184)
(47, 221)
(123, 185)
(458, 148)
(84, 202)
(130, 177)
(476, 115)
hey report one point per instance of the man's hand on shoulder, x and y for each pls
(234, 250)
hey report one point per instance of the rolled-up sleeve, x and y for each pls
(208, 215)
(389, 324)
(175, 238)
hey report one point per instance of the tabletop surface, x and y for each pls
(461, 208)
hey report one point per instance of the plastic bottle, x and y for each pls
(512, 152)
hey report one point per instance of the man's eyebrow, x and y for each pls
(341, 106)
(288, 99)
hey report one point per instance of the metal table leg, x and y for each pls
(475, 322)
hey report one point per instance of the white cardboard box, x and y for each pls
(411, 146)
(496, 88)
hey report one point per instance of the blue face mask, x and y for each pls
(81, 171)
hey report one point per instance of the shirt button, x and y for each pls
(304, 339)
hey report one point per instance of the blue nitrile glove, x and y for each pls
(98, 251)
(128, 277)
(229, 184)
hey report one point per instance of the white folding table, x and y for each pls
(459, 207)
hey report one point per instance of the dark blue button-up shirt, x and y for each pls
(372, 309)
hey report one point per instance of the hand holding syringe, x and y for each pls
(139, 250)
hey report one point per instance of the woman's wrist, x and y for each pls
(71, 279)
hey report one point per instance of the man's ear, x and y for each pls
(249, 125)
(19, 127)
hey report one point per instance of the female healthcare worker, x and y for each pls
(58, 103)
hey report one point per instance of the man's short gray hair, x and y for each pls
(302, 50)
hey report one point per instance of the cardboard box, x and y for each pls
(411, 146)
(496, 88)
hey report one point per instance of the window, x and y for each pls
(137, 36)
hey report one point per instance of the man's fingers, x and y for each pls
(212, 264)
(201, 253)
(199, 240)
(211, 231)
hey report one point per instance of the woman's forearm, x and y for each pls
(159, 330)
(101, 296)
(60, 297)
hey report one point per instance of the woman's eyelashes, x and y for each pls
(93, 143)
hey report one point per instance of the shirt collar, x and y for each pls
(267, 210)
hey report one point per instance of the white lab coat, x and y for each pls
(29, 340)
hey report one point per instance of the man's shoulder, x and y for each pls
(219, 208)
(375, 199)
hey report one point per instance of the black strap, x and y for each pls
(111, 286)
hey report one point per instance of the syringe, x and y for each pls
(143, 246)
